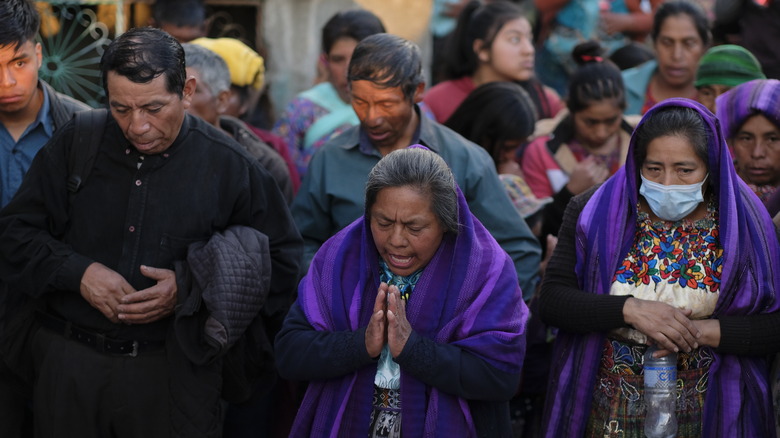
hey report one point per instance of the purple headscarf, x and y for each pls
(738, 399)
(736, 105)
(467, 296)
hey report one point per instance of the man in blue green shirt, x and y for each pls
(386, 81)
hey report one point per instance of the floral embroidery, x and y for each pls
(682, 252)
(763, 192)
(670, 260)
(624, 359)
(611, 161)
(299, 116)
(614, 430)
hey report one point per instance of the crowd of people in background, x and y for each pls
(484, 244)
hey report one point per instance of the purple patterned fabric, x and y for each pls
(738, 399)
(741, 102)
(467, 296)
(300, 115)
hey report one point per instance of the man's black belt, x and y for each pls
(98, 341)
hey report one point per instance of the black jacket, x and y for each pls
(62, 106)
(126, 215)
(265, 154)
(218, 327)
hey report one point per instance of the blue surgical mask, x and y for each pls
(672, 202)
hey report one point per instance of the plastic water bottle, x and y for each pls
(660, 394)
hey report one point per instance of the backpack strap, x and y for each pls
(563, 133)
(89, 127)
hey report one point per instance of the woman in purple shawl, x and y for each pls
(410, 320)
(673, 250)
(750, 117)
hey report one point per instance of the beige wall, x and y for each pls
(292, 31)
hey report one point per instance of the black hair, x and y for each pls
(682, 7)
(476, 22)
(532, 220)
(179, 12)
(142, 54)
(243, 93)
(19, 22)
(675, 121)
(631, 55)
(353, 23)
(388, 61)
(493, 114)
(595, 79)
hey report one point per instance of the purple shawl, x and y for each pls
(738, 399)
(739, 103)
(467, 296)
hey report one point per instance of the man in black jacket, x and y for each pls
(30, 112)
(101, 260)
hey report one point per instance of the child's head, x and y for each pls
(495, 36)
(597, 97)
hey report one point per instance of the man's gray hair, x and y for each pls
(422, 170)
(213, 69)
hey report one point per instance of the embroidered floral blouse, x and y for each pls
(678, 263)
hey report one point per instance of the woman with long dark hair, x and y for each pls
(492, 42)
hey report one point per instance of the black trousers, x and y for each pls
(15, 412)
(82, 393)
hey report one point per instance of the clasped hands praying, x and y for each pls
(388, 324)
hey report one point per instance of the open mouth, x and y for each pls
(400, 262)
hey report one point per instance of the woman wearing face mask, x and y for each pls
(673, 251)
(492, 42)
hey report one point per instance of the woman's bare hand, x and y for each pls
(710, 335)
(586, 174)
(398, 327)
(376, 332)
(667, 326)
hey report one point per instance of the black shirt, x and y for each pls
(135, 210)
